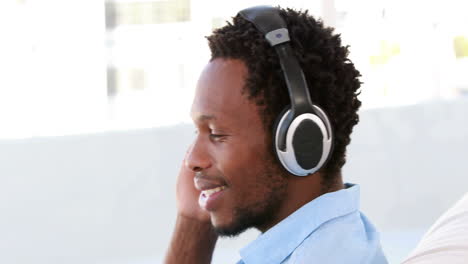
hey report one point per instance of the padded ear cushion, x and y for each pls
(308, 144)
(310, 141)
(282, 144)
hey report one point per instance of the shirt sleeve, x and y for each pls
(447, 240)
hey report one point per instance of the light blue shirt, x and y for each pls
(329, 229)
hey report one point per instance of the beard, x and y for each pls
(261, 212)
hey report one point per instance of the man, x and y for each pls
(231, 180)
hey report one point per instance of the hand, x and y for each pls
(187, 195)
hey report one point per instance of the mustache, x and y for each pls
(201, 175)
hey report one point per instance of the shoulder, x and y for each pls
(352, 239)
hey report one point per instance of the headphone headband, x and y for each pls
(303, 136)
(269, 22)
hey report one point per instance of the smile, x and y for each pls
(211, 199)
(207, 193)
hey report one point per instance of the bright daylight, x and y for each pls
(144, 131)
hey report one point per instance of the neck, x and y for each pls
(302, 190)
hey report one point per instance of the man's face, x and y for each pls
(242, 186)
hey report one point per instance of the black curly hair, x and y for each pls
(332, 78)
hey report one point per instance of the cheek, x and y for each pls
(244, 163)
(240, 153)
(251, 181)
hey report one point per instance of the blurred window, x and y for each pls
(73, 67)
(146, 12)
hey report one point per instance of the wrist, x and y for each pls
(196, 224)
(193, 241)
(194, 214)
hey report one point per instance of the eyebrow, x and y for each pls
(204, 118)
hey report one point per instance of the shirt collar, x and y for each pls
(280, 241)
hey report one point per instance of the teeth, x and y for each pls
(214, 190)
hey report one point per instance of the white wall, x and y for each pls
(412, 162)
(52, 64)
(108, 198)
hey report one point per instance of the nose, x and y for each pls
(197, 158)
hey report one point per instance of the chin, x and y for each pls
(230, 230)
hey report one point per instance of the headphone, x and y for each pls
(303, 137)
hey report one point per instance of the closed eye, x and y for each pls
(218, 137)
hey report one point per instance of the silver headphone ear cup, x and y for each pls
(290, 157)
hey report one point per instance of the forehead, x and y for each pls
(219, 92)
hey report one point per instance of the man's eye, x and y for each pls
(217, 136)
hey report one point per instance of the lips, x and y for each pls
(211, 192)
(211, 199)
(203, 183)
